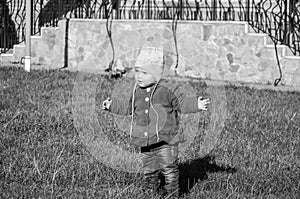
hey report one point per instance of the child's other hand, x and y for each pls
(106, 104)
(203, 103)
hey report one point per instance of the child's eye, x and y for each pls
(141, 72)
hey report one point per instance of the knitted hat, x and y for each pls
(151, 59)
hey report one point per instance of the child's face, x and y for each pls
(143, 77)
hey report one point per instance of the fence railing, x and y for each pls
(278, 18)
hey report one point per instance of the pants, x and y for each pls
(161, 160)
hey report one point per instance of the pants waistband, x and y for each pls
(153, 147)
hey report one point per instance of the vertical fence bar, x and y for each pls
(286, 21)
(60, 8)
(3, 40)
(180, 9)
(148, 9)
(291, 13)
(214, 9)
(28, 36)
(117, 4)
(32, 17)
(247, 14)
(87, 8)
(41, 14)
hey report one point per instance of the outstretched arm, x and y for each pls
(187, 104)
(117, 106)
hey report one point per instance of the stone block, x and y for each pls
(246, 72)
(296, 80)
(290, 64)
(167, 34)
(269, 52)
(230, 76)
(207, 32)
(6, 58)
(248, 58)
(255, 39)
(19, 52)
(81, 38)
(234, 67)
(263, 65)
(288, 52)
(289, 79)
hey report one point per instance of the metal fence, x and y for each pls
(278, 18)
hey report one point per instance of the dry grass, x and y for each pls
(44, 153)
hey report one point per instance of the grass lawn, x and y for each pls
(43, 155)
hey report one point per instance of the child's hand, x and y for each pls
(202, 103)
(106, 104)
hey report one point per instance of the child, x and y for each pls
(154, 108)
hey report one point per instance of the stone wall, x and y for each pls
(211, 50)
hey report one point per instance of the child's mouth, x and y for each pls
(141, 84)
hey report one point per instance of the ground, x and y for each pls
(257, 154)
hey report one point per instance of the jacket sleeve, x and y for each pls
(120, 106)
(183, 102)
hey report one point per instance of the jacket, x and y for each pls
(156, 112)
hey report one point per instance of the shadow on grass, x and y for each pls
(193, 171)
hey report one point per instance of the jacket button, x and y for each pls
(146, 111)
(148, 90)
(147, 99)
(146, 134)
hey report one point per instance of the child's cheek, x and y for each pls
(136, 76)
